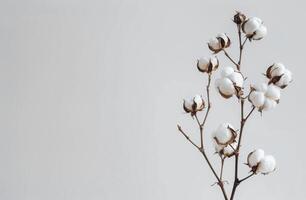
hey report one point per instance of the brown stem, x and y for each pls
(249, 176)
(231, 59)
(222, 166)
(186, 136)
(208, 99)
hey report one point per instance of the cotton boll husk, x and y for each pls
(257, 98)
(226, 86)
(269, 104)
(273, 93)
(236, 78)
(277, 69)
(203, 63)
(214, 43)
(223, 134)
(226, 71)
(266, 165)
(260, 33)
(251, 25)
(255, 157)
(217, 146)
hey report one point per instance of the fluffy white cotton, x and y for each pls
(236, 78)
(251, 25)
(226, 71)
(261, 87)
(198, 100)
(214, 43)
(203, 63)
(223, 135)
(273, 92)
(277, 69)
(188, 104)
(229, 79)
(285, 79)
(224, 37)
(230, 149)
(219, 42)
(269, 104)
(255, 157)
(267, 165)
(226, 86)
(257, 98)
(260, 33)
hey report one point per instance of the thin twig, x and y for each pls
(186, 136)
(230, 58)
(222, 166)
(208, 99)
(249, 176)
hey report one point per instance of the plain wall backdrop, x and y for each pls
(91, 92)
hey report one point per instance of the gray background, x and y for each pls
(91, 92)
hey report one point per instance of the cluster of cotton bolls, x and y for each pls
(230, 83)
(264, 97)
(261, 163)
(194, 104)
(267, 96)
(221, 41)
(224, 140)
(279, 75)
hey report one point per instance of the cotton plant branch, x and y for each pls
(226, 139)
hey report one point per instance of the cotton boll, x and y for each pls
(285, 79)
(237, 79)
(273, 93)
(224, 37)
(257, 98)
(214, 44)
(260, 33)
(226, 71)
(251, 25)
(255, 157)
(267, 165)
(226, 87)
(269, 104)
(223, 135)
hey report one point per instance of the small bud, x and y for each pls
(266, 165)
(218, 43)
(194, 105)
(207, 65)
(225, 134)
(254, 28)
(230, 83)
(279, 75)
(255, 157)
(239, 18)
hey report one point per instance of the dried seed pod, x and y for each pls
(239, 18)
(207, 65)
(218, 43)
